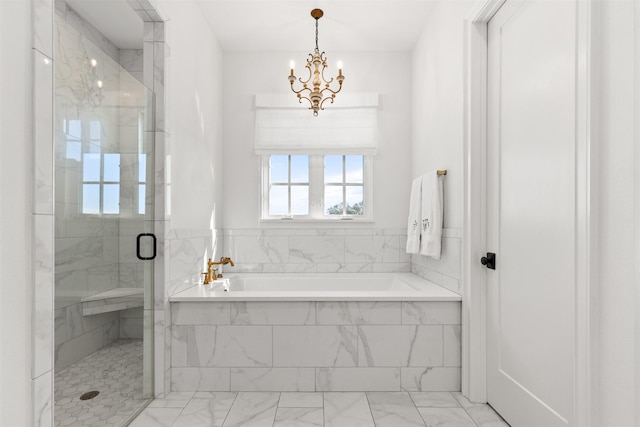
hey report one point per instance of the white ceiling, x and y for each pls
(347, 25)
(115, 19)
(281, 25)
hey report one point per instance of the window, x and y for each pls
(316, 187)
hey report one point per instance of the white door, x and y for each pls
(531, 212)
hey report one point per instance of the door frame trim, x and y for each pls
(474, 315)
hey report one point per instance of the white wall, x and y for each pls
(247, 74)
(437, 113)
(619, 90)
(194, 118)
(16, 191)
(437, 130)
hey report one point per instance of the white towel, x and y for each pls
(432, 213)
(413, 224)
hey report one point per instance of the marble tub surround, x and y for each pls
(447, 271)
(315, 346)
(329, 409)
(322, 250)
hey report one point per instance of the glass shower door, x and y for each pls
(104, 243)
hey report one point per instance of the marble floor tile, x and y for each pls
(301, 400)
(156, 417)
(175, 399)
(483, 414)
(434, 399)
(347, 410)
(253, 409)
(207, 412)
(394, 409)
(299, 417)
(446, 417)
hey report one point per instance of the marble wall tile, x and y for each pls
(131, 328)
(401, 345)
(273, 313)
(42, 24)
(394, 409)
(43, 400)
(358, 379)
(43, 201)
(391, 268)
(60, 322)
(201, 313)
(200, 379)
(273, 379)
(161, 53)
(358, 313)
(237, 346)
(309, 346)
(43, 291)
(253, 410)
(450, 262)
(452, 345)
(347, 410)
(77, 348)
(179, 343)
(258, 249)
(431, 379)
(161, 342)
(372, 249)
(78, 253)
(431, 313)
(316, 249)
(130, 59)
(344, 267)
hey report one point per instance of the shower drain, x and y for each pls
(89, 395)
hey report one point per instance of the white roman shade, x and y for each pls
(349, 126)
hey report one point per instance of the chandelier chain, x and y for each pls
(317, 34)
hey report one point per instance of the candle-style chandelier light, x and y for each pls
(319, 94)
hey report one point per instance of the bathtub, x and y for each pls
(315, 332)
(318, 287)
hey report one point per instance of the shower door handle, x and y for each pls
(138, 239)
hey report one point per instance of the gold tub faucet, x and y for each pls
(212, 273)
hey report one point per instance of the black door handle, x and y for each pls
(489, 261)
(138, 254)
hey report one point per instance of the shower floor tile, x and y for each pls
(116, 372)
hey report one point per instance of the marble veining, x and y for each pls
(371, 409)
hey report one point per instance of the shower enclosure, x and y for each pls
(104, 242)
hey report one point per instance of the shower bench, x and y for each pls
(112, 300)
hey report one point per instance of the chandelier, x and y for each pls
(316, 96)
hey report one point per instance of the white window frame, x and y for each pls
(316, 192)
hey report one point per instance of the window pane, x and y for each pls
(278, 200)
(112, 167)
(355, 170)
(91, 167)
(299, 200)
(300, 168)
(111, 196)
(333, 200)
(95, 130)
(332, 169)
(91, 198)
(279, 168)
(355, 201)
(142, 167)
(141, 198)
(74, 150)
(75, 129)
